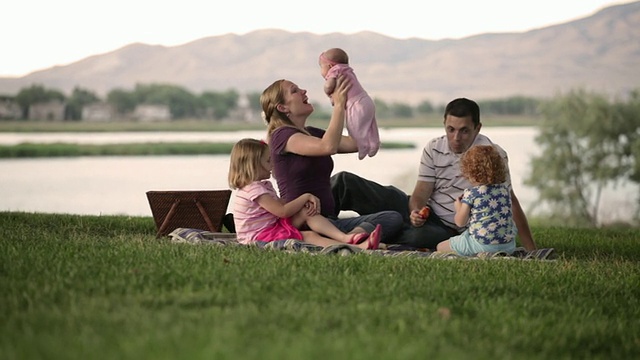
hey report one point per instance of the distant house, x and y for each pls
(9, 109)
(152, 112)
(50, 111)
(99, 111)
(243, 111)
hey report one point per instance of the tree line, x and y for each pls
(181, 102)
(184, 104)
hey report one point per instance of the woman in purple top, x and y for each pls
(301, 155)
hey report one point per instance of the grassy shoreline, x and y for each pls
(202, 125)
(30, 150)
(104, 287)
(34, 150)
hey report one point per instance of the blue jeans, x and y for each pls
(354, 193)
(390, 221)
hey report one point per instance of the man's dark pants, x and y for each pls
(354, 193)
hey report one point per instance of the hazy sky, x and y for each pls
(38, 34)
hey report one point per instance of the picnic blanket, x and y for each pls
(197, 236)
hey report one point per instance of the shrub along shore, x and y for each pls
(103, 287)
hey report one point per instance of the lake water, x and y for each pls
(117, 185)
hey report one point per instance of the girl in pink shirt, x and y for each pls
(260, 215)
(361, 110)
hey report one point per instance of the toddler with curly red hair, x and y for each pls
(485, 207)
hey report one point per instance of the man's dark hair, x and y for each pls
(463, 107)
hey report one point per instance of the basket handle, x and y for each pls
(204, 215)
(165, 223)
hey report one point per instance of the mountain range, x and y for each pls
(600, 52)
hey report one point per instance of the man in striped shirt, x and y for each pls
(439, 183)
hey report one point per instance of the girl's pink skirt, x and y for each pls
(281, 230)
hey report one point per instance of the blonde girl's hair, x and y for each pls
(484, 165)
(244, 165)
(269, 100)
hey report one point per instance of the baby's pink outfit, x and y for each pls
(361, 113)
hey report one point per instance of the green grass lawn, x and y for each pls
(103, 287)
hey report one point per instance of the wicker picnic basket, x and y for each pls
(196, 209)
